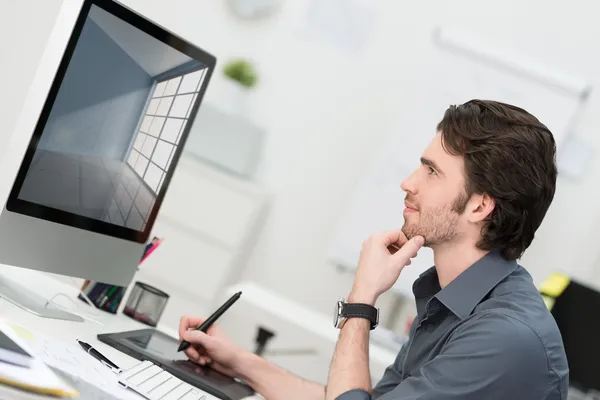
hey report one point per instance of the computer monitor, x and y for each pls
(577, 316)
(96, 145)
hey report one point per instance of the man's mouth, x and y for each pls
(410, 206)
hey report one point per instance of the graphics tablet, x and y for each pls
(161, 349)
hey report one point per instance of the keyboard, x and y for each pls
(154, 383)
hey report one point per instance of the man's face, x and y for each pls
(435, 196)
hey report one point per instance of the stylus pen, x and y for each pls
(96, 354)
(211, 320)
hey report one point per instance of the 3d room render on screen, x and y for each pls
(88, 173)
(114, 126)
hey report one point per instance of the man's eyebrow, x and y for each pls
(432, 164)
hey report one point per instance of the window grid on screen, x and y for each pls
(162, 124)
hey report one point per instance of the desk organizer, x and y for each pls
(146, 303)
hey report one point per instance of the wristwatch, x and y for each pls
(344, 310)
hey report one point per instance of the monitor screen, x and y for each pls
(576, 313)
(113, 125)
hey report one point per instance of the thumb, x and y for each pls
(196, 337)
(408, 250)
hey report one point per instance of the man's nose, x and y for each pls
(410, 184)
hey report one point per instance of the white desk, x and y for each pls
(67, 330)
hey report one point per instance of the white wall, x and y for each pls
(326, 113)
(20, 54)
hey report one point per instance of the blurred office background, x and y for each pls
(281, 180)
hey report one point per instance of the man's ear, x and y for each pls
(482, 207)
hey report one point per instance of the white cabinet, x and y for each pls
(209, 220)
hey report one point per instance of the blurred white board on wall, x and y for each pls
(458, 70)
(465, 67)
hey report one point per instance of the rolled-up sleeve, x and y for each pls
(355, 394)
(492, 357)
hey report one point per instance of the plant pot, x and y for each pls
(233, 97)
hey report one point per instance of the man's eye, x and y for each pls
(432, 171)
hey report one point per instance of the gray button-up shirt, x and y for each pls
(487, 335)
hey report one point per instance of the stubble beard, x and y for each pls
(439, 225)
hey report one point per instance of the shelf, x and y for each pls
(230, 142)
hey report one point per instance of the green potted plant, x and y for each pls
(241, 77)
(242, 72)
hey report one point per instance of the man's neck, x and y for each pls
(453, 259)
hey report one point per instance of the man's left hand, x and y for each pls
(378, 269)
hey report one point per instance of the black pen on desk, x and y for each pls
(97, 355)
(211, 320)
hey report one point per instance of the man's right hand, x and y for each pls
(213, 347)
(269, 380)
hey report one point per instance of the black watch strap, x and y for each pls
(359, 310)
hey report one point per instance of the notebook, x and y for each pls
(38, 377)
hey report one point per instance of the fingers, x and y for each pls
(204, 360)
(189, 322)
(408, 251)
(395, 238)
(192, 353)
(198, 341)
(393, 248)
(196, 337)
(198, 357)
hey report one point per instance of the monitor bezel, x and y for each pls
(16, 205)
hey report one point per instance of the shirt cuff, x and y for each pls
(355, 394)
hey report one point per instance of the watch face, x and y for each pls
(336, 313)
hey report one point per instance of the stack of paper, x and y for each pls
(12, 353)
(85, 372)
(38, 377)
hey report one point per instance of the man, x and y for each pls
(482, 330)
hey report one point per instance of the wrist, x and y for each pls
(362, 296)
(246, 363)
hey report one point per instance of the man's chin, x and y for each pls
(412, 231)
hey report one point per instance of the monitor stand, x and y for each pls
(30, 301)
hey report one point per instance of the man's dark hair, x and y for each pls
(510, 156)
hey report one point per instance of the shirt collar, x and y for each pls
(424, 288)
(466, 291)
